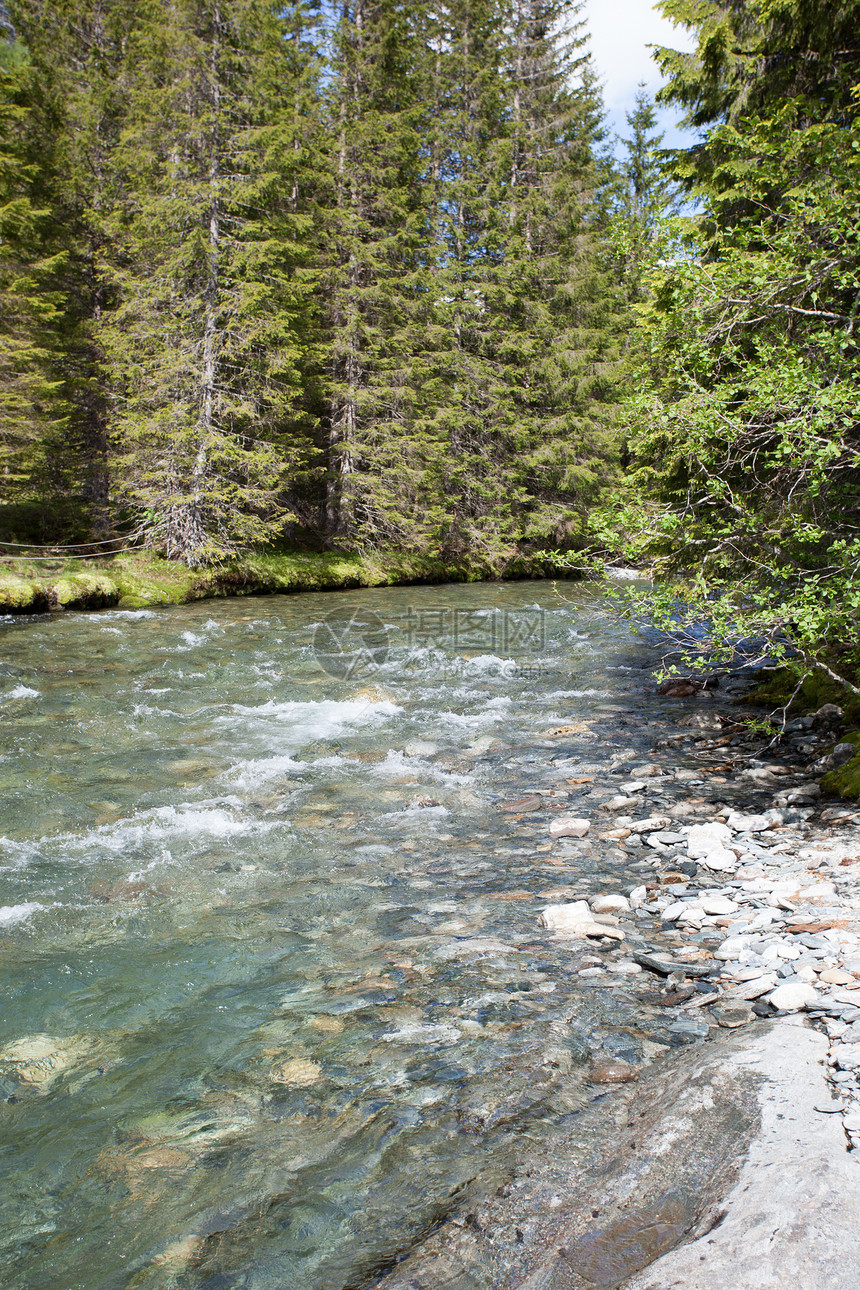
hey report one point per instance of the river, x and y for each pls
(274, 990)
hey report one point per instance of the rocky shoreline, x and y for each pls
(763, 904)
(746, 923)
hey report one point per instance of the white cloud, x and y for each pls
(620, 33)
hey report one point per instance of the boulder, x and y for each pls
(713, 1170)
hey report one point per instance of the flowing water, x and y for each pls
(274, 992)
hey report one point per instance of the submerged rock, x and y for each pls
(39, 1060)
(298, 1071)
(663, 1192)
(611, 1072)
(567, 826)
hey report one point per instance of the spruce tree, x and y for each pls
(647, 199)
(31, 412)
(374, 282)
(532, 304)
(73, 118)
(207, 343)
(470, 123)
(560, 283)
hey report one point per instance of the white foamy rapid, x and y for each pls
(12, 914)
(21, 692)
(163, 823)
(301, 723)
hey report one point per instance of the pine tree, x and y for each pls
(31, 412)
(647, 200)
(532, 308)
(74, 115)
(207, 343)
(374, 283)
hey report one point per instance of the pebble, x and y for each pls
(731, 1018)
(756, 988)
(722, 860)
(610, 904)
(718, 905)
(791, 998)
(618, 803)
(651, 824)
(638, 897)
(731, 948)
(566, 826)
(845, 1056)
(610, 1072)
(835, 976)
(741, 823)
(704, 839)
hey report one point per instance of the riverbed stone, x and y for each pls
(576, 920)
(740, 822)
(846, 1056)
(704, 839)
(610, 1072)
(755, 988)
(792, 997)
(718, 905)
(732, 948)
(651, 824)
(568, 826)
(618, 804)
(610, 904)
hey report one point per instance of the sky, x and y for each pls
(621, 31)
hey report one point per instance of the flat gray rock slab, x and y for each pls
(714, 1173)
(792, 1219)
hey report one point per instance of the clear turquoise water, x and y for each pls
(273, 986)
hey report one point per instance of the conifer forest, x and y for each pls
(374, 276)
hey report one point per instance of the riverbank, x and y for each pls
(141, 582)
(739, 1162)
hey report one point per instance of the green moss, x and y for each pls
(90, 590)
(145, 582)
(844, 781)
(817, 689)
(138, 582)
(21, 595)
